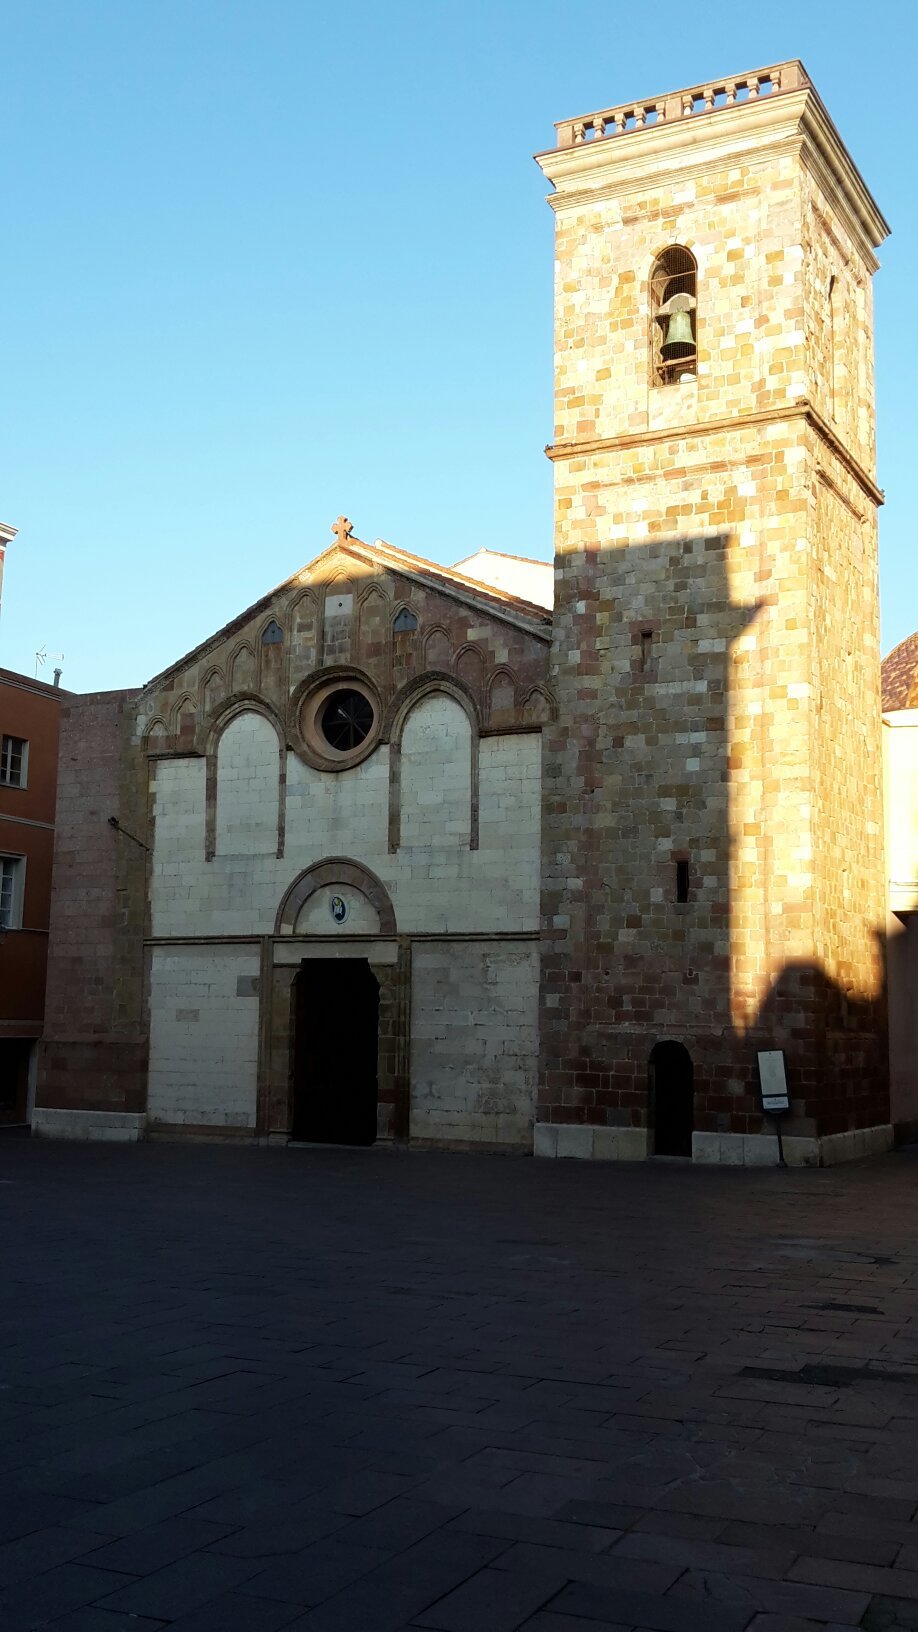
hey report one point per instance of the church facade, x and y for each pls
(406, 853)
(328, 845)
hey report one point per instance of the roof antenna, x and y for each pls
(41, 657)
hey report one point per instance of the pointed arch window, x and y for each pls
(674, 316)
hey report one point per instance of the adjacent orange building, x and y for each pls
(29, 731)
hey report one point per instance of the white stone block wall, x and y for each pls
(586, 1143)
(761, 1149)
(900, 745)
(120, 1127)
(203, 1036)
(436, 774)
(474, 1016)
(436, 887)
(474, 1041)
(342, 813)
(248, 767)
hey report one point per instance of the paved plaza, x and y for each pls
(368, 1391)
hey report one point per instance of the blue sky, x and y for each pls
(266, 260)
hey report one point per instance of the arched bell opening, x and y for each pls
(672, 1099)
(674, 316)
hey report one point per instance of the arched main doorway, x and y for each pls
(672, 1099)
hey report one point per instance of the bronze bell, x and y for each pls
(679, 341)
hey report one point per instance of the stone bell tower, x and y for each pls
(712, 868)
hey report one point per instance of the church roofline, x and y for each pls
(451, 581)
(25, 682)
(535, 620)
(502, 555)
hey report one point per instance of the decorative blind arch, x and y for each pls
(434, 690)
(246, 783)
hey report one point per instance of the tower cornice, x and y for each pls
(601, 156)
(585, 447)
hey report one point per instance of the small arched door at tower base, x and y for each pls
(335, 1051)
(671, 1095)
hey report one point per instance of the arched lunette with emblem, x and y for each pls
(341, 873)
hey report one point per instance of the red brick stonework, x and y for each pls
(93, 1054)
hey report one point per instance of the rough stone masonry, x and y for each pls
(715, 652)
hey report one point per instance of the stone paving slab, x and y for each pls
(372, 1391)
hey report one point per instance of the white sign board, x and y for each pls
(773, 1082)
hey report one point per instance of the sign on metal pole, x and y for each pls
(773, 1089)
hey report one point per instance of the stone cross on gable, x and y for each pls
(342, 529)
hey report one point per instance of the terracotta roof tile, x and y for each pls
(900, 675)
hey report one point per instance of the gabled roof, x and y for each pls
(515, 574)
(496, 603)
(449, 580)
